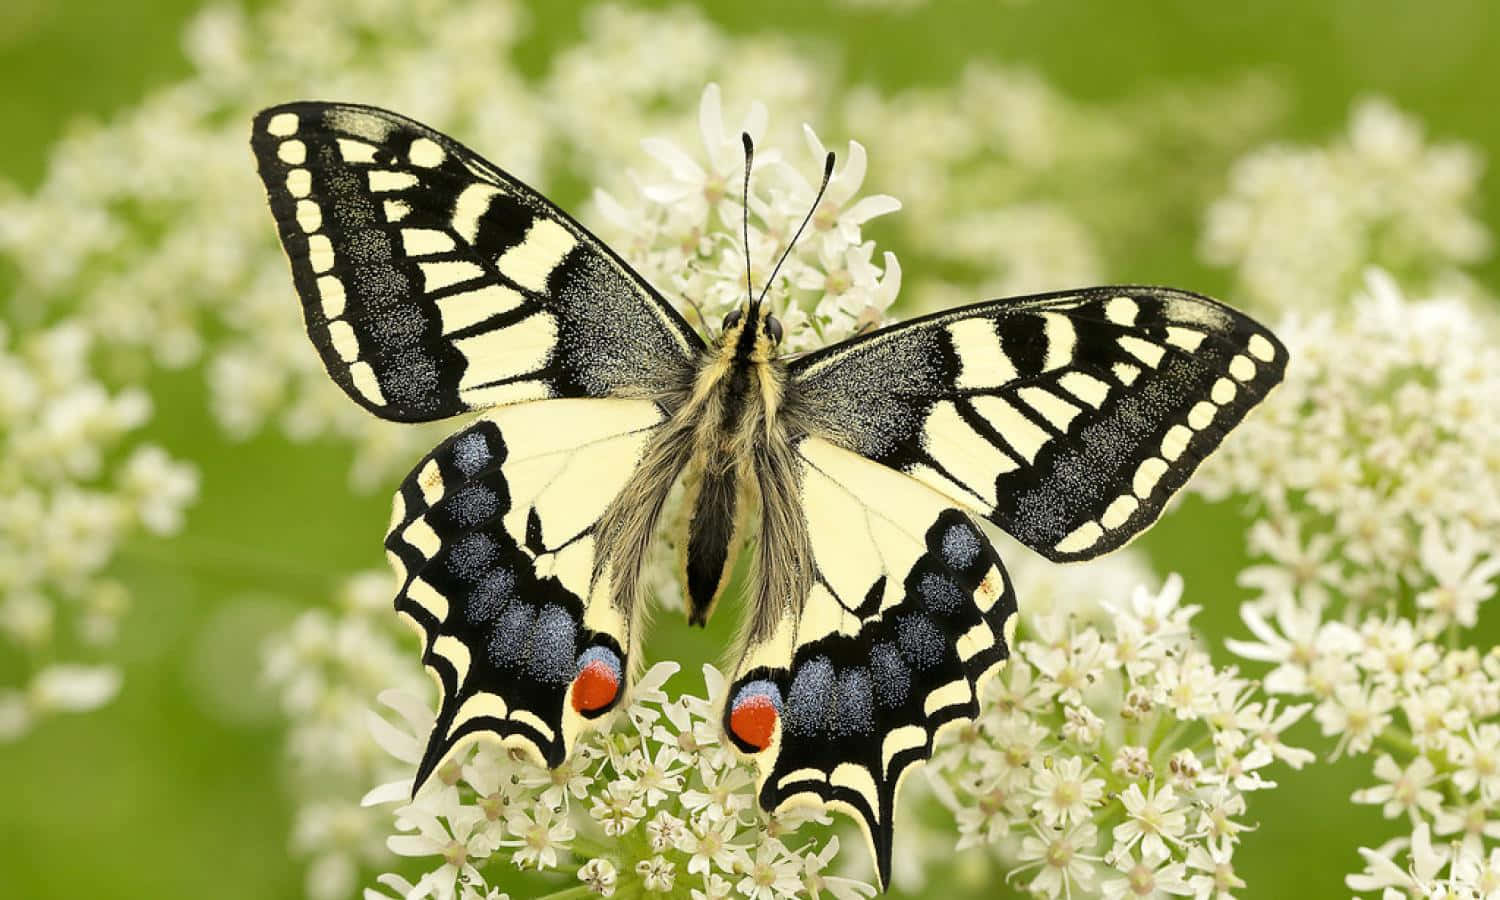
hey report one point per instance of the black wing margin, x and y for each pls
(1068, 419)
(434, 284)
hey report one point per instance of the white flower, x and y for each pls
(1150, 875)
(447, 830)
(1064, 795)
(657, 873)
(1059, 857)
(600, 876)
(1153, 818)
(770, 874)
(538, 836)
(1382, 872)
(1407, 790)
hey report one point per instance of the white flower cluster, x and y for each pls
(657, 805)
(75, 485)
(684, 231)
(1376, 483)
(1112, 757)
(325, 668)
(1299, 223)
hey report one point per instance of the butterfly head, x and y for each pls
(752, 332)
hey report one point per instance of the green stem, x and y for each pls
(1396, 740)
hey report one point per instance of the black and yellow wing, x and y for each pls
(909, 612)
(1067, 419)
(433, 283)
(496, 539)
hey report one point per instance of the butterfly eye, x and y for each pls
(732, 319)
(773, 328)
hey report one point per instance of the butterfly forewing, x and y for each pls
(433, 283)
(1067, 419)
(495, 538)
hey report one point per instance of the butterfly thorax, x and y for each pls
(735, 410)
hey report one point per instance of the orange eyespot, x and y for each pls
(597, 683)
(752, 716)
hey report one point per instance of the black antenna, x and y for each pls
(749, 156)
(827, 174)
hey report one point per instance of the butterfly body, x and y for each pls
(433, 284)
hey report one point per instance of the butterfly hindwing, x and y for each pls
(495, 537)
(1068, 419)
(433, 283)
(909, 612)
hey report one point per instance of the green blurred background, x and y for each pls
(155, 796)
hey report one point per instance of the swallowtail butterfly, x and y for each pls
(434, 284)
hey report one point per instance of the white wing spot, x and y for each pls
(438, 275)
(1061, 339)
(427, 597)
(1058, 412)
(365, 382)
(293, 153)
(473, 202)
(982, 362)
(507, 352)
(1085, 387)
(505, 394)
(1224, 391)
(1242, 368)
(953, 693)
(1262, 349)
(1146, 351)
(1024, 436)
(320, 253)
(1082, 538)
(1147, 474)
(1175, 442)
(531, 261)
(309, 216)
(396, 210)
(356, 151)
(1121, 311)
(331, 292)
(299, 182)
(975, 640)
(1201, 415)
(1186, 338)
(426, 153)
(459, 311)
(907, 737)
(430, 480)
(1126, 373)
(1119, 512)
(382, 180)
(345, 344)
(282, 124)
(425, 241)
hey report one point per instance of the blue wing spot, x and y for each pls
(553, 645)
(921, 642)
(960, 546)
(472, 505)
(940, 594)
(471, 453)
(853, 711)
(490, 596)
(510, 635)
(807, 701)
(891, 676)
(472, 555)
